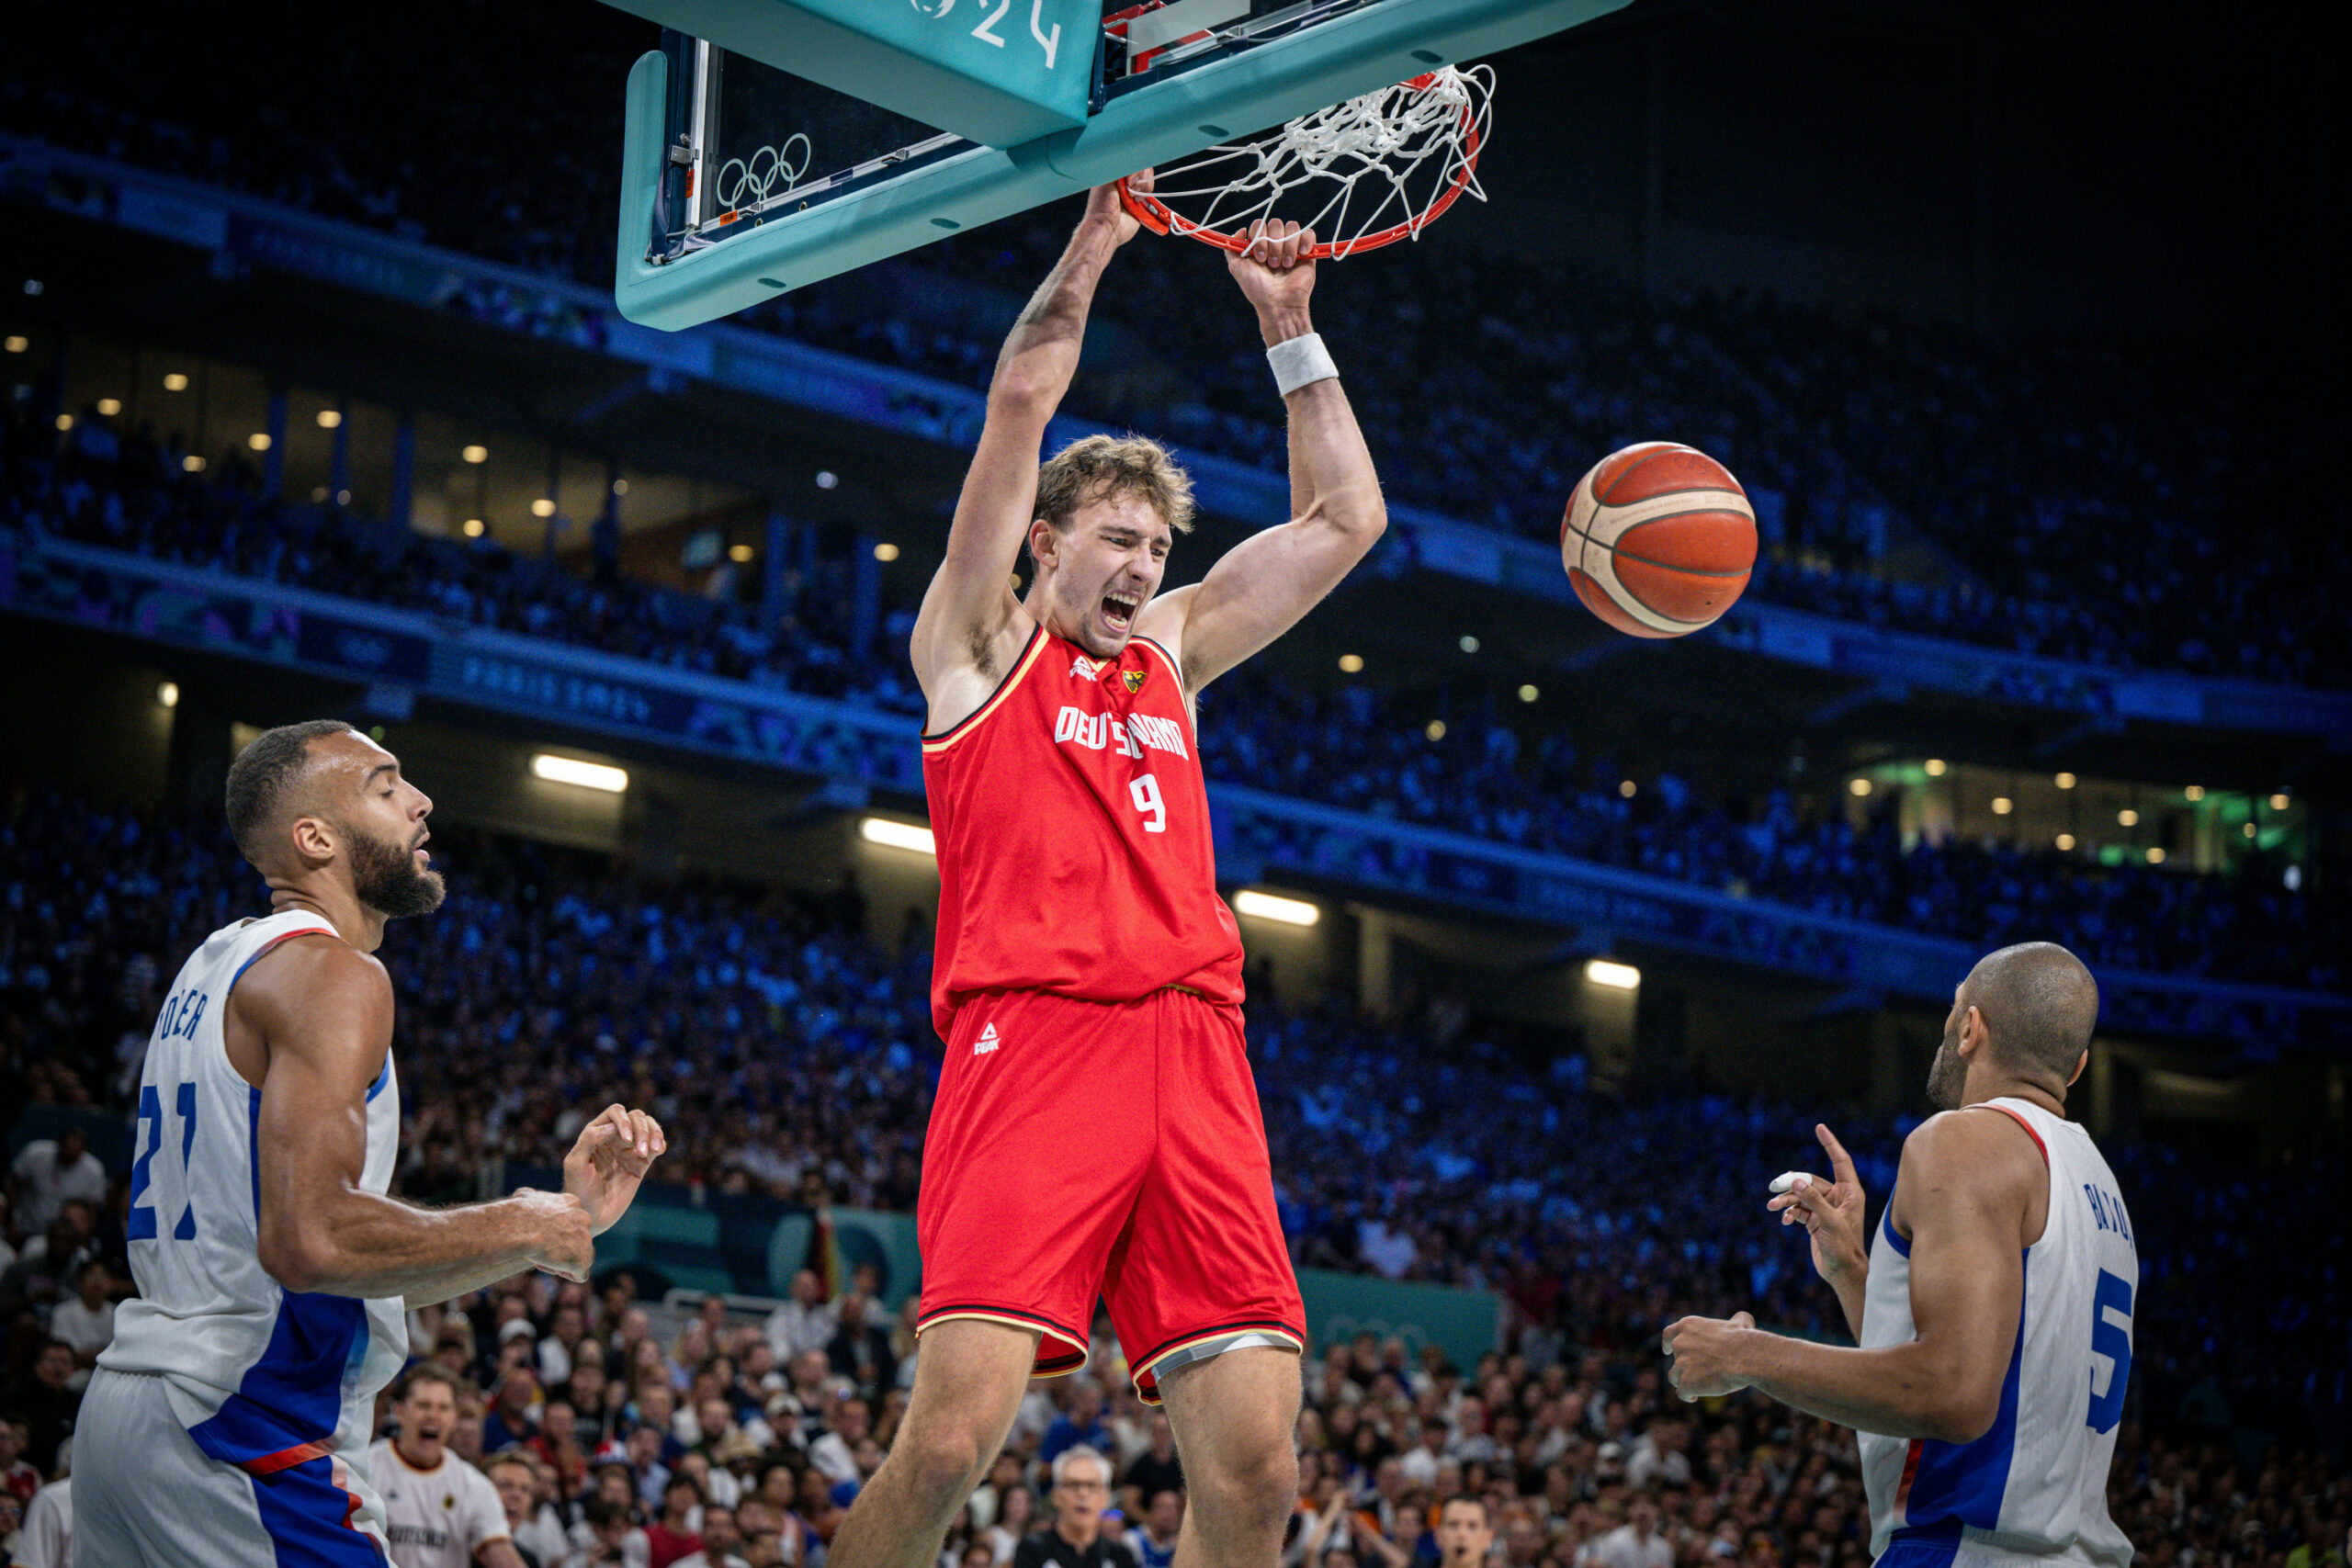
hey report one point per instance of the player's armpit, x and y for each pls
(1963, 1192)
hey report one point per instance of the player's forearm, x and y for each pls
(1328, 459)
(370, 1246)
(1851, 1290)
(1040, 354)
(1902, 1391)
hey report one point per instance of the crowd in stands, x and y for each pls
(2127, 508)
(104, 486)
(789, 1055)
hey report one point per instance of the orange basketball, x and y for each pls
(1658, 539)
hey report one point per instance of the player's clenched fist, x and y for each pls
(1701, 1351)
(608, 1161)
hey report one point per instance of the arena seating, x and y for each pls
(102, 486)
(2118, 505)
(788, 1054)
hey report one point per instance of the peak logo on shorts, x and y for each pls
(987, 1041)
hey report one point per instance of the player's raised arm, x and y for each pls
(322, 1012)
(970, 606)
(1831, 1213)
(1963, 1191)
(1260, 588)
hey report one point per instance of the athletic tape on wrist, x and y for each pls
(1299, 361)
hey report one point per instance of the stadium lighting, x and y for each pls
(2249, 830)
(1934, 767)
(572, 770)
(2155, 854)
(543, 507)
(897, 835)
(2066, 781)
(473, 528)
(1616, 976)
(168, 695)
(19, 344)
(191, 464)
(2065, 840)
(1528, 694)
(827, 479)
(64, 421)
(1436, 729)
(739, 553)
(1469, 645)
(2001, 805)
(1860, 786)
(330, 419)
(1627, 788)
(886, 551)
(175, 382)
(2128, 818)
(1350, 663)
(2194, 792)
(258, 441)
(1268, 906)
(476, 454)
(110, 406)
(2280, 801)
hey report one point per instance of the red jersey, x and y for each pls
(1073, 832)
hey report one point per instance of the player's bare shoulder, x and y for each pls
(1980, 1150)
(310, 992)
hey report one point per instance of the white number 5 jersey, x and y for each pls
(263, 1378)
(2035, 1485)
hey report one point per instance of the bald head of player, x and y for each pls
(2023, 1016)
(323, 814)
(1108, 508)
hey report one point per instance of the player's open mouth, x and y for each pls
(1119, 611)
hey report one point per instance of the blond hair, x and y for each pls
(1096, 467)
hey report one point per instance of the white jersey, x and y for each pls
(2035, 1485)
(435, 1519)
(263, 1378)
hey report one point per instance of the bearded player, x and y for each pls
(227, 1425)
(1097, 1128)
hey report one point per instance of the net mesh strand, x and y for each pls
(1431, 125)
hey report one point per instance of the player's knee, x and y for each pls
(945, 1457)
(1250, 1485)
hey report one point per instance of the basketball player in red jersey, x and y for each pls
(1096, 1130)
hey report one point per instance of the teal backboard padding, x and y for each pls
(1248, 91)
(999, 72)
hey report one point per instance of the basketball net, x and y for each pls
(1380, 166)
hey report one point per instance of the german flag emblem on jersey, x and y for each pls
(1134, 677)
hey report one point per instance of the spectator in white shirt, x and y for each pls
(85, 1320)
(523, 1490)
(804, 1323)
(1635, 1544)
(439, 1511)
(46, 1539)
(50, 1172)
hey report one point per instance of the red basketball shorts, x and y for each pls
(1114, 1150)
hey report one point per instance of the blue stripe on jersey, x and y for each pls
(293, 1394)
(1887, 1224)
(308, 1517)
(382, 1079)
(1930, 1546)
(1963, 1482)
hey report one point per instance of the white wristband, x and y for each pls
(1299, 361)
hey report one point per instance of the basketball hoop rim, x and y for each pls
(1160, 218)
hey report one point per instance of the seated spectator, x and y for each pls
(673, 1534)
(44, 1403)
(803, 1323)
(612, 1538)
(1082, 1423)
(861, 1350)
(525, 1491)
(48, 1172)
(1075, 1537)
